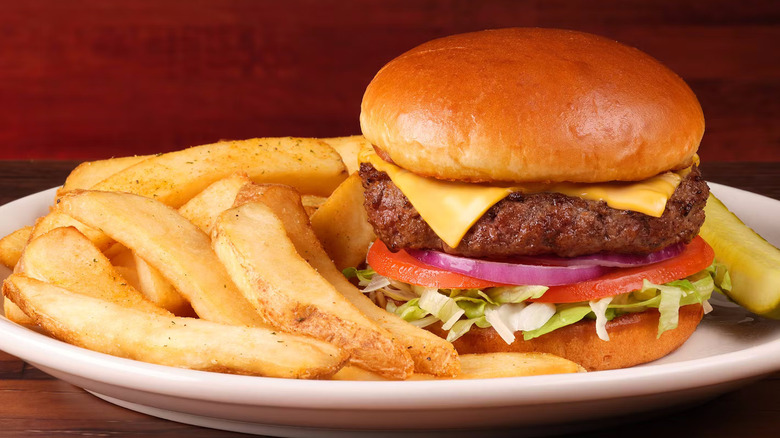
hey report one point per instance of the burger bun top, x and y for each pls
(531, 105)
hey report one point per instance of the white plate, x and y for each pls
(731, 347)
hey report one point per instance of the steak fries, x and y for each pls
(180, 342)
(253, 245)
(206, 259)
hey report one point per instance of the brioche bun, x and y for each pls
(531, 105)
(632, 340)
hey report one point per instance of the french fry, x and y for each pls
(485, 366)
(169, 242)
(148, 280)
(14, 314)
(253, 245)
(159, 290)
(123, 262)
(11, 248)
(179, 342)
(492, 365)
(12, 245)
(204, 208)
(341, 224)
(430, 353)
(310, 165)
(311, 203)
(64, 257)
(58, 219)
(89, 173)
(202, 211)
(348, 148)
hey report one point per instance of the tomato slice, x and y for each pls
(696, 256)
(403, 267)
(400, 266)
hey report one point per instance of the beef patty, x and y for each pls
(541, 223)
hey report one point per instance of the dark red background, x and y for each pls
(86, 79)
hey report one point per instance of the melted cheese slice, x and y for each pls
(452, 207)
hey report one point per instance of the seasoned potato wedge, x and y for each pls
(341, 224)
(169, 242)
(64, 257)
(348, 148)
(486, 366)
(253, 245)
(166, 340)
(150, 282)
(311, 203)
(89, 173)
(430, 353)
(159, 290)
(203, 209)
(14, 314)
(491, 365)
(12, 245)
(175, 177)
(58, 219)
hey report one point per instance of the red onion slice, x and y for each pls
(607, 259)
(510, 273)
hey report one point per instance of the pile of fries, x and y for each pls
(226, 257)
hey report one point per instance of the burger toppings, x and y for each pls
(537, 310)
(509, 273)
(695, 257)
(611, 260)
(534, 263)
(547, 271)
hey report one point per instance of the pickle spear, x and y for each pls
(753, 263)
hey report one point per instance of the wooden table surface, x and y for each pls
(35, 404)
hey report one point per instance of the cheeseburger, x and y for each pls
(537, 190)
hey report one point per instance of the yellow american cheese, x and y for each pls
(452, 207)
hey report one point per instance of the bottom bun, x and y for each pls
(632, 340)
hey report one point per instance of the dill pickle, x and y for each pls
(753, 263)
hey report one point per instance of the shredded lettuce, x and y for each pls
(533, 316)
(424, 322)
(376, 283)
(497, 322)
(690, 292)
(410, 310)
(668, 307)
(566, 314)
(507, 309)
(599, 308)
(473, 307)
(441, 306)
(462, 327)
(515, 294)
(363, 275)
(721, 276)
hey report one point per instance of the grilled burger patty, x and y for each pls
(541, 223)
